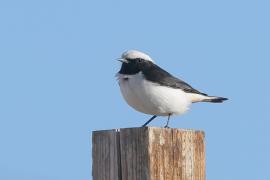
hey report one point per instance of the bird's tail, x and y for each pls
(205, 98)
(214, 99)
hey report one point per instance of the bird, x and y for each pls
(149, 89)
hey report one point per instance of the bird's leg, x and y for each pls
(151, 119)
(167, 124)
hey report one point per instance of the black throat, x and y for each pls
(129, 69)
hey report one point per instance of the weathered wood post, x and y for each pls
(148, 153)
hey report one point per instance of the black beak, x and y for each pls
(122, 60)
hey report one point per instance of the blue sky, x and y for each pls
(57, 67)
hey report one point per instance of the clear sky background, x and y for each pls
(57, 84)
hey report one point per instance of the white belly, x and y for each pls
(151, 98)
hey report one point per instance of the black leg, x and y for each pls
(167, 124)
(151, 119)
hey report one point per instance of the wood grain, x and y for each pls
(106, 155)
(149, 153)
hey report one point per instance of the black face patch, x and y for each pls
(133, 66)
(129, 68)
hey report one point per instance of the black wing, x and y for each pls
(157, 75)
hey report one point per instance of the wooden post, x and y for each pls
(148, 153)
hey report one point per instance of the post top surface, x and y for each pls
(153, 128)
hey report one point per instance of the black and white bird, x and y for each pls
(151, 90)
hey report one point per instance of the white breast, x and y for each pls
(151, 98)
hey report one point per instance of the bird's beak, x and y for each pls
(122, 60)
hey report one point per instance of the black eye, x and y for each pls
(140, 60)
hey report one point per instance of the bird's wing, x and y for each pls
(158, 75)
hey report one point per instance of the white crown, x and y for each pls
(133, 54)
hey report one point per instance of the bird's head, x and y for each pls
(134, 61)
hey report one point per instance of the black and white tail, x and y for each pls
(214, 99)
(205, 98)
